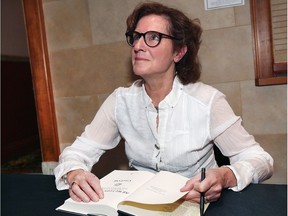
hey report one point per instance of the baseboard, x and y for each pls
(48, 167)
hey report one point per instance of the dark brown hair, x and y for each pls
(187, 30)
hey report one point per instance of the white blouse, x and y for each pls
(190, 120)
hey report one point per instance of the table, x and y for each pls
(36, 194)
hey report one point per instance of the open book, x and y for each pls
(138, 193)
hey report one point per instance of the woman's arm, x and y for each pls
(249, 162)
(77, 160)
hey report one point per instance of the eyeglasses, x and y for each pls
(151, 38)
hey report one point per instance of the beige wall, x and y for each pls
(89, 58)
(13, 34)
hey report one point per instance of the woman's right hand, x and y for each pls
(84, 186)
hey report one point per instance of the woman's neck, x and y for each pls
(158, 89)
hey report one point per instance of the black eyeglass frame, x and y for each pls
(161, 35)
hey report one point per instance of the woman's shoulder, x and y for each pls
(202, 92)
(200, 87)
(133, 88)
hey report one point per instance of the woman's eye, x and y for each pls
(136, 37)
(154, 36)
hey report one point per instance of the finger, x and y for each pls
(90, 192)
(195, 200)
(209, 199)
(74, 196)
(77, 190)
(91, 185)
(188, 186)
(203, 186)
(193, 196)
(212, 195)
(94, 182)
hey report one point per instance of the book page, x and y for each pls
(163, 188)
(180, 207)
(119, 184)
(72, 206)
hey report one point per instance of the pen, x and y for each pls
(96, 214)
(202, 194)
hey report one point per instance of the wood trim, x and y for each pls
(263, 45)
(271, 81)
(280, 68)
(41, 78)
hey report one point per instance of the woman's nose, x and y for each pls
(139, 44)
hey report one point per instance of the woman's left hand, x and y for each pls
(215, 181)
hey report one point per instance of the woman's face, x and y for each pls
(153, 61)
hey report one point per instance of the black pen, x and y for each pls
(202, 194)
(96, 214)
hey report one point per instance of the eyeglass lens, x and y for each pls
(151, 38)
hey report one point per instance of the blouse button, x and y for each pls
(157, 146)
(157, 168)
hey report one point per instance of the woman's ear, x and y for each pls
(180, 53)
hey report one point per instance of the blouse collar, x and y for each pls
(170, 100)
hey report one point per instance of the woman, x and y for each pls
(168, 120)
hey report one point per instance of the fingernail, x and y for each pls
(86, 200)
(101, 195)
(95, 199)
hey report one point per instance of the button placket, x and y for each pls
(157, 156)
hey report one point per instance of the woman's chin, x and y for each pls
(139, 72)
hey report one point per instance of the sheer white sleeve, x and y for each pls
(100, 135)
(249, 162)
